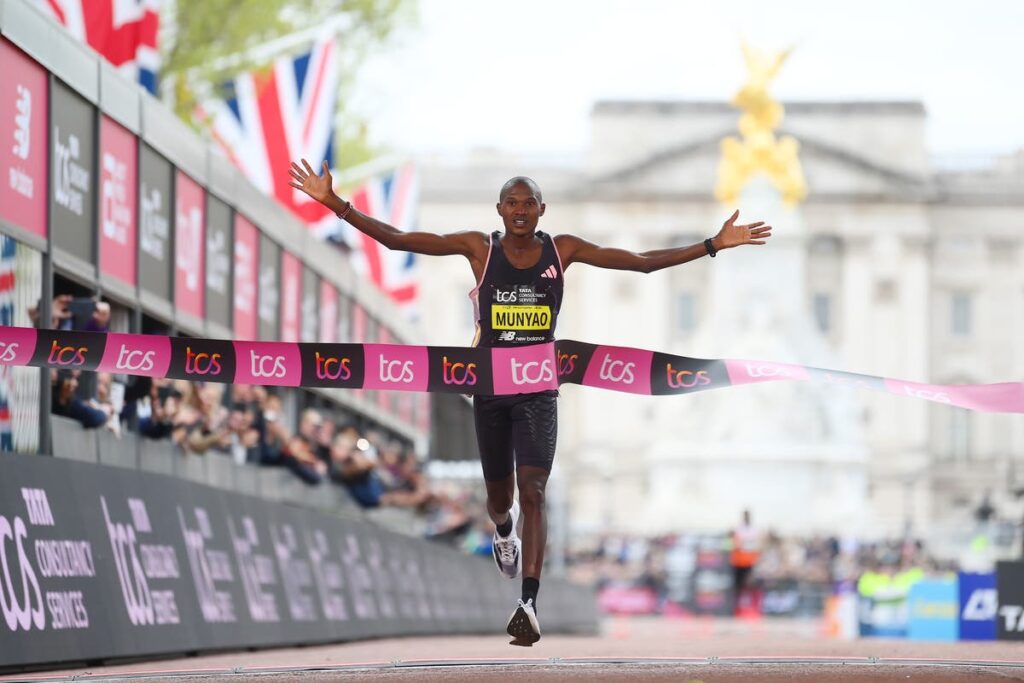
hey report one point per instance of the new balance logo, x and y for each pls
(551, 273)
(508, 335)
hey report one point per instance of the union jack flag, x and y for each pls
(286, 113)
(123, 31)
(274, 116)
(392, 197)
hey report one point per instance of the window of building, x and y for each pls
(686, 312)
(822, 304)
(960, 314)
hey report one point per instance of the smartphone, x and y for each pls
(81, 309)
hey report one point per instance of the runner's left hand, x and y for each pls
(732, 235)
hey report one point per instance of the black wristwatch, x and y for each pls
(710, 247)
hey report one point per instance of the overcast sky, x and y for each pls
(523, 74)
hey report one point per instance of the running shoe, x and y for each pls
(508, 550)
(523, 625)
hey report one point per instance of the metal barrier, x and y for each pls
(220, 471)
(72, 441)
(120, 452)
(160, 457)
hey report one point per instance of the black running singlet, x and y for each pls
(516, 306)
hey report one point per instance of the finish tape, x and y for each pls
(464, 370)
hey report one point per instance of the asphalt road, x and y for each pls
(638, 649)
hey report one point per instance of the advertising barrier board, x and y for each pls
(102, 562)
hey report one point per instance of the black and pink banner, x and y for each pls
(488, 371)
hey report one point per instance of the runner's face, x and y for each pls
(520, 211)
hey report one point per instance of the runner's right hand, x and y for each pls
(319, 187)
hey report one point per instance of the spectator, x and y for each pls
(109, 399)
(318, 432)
(156, 410)
(211, 429)
(135, 391)
(411, 490)
(70, 313)
(746, 547)
(390, 466)
(352, 469)
(96, 321)
(252, 399)
(243, 439)
(298, 456)
(447, 519)
(273, 435)
(278, 447)
(186, 413)
(59, 312)
(66, 404)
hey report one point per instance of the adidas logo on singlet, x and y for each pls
(551, 273)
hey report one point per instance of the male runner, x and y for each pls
(518, 272)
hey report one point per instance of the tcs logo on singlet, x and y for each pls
(458, 373)
(532, 372)
(67, 356)
(686, 379)
(332, 367)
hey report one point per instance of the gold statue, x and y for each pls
(759, 151)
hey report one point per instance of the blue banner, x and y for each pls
(934, 610)
(978, 604)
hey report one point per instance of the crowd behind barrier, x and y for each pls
(887, 588)
(200, 430)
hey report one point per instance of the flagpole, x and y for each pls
(367, 169)
(271, 49)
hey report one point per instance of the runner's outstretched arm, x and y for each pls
(468, 243)
(575, 249)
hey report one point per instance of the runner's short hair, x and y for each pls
(520, 180)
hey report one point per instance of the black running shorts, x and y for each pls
(517, 430)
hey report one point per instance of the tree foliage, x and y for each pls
(207, 42)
